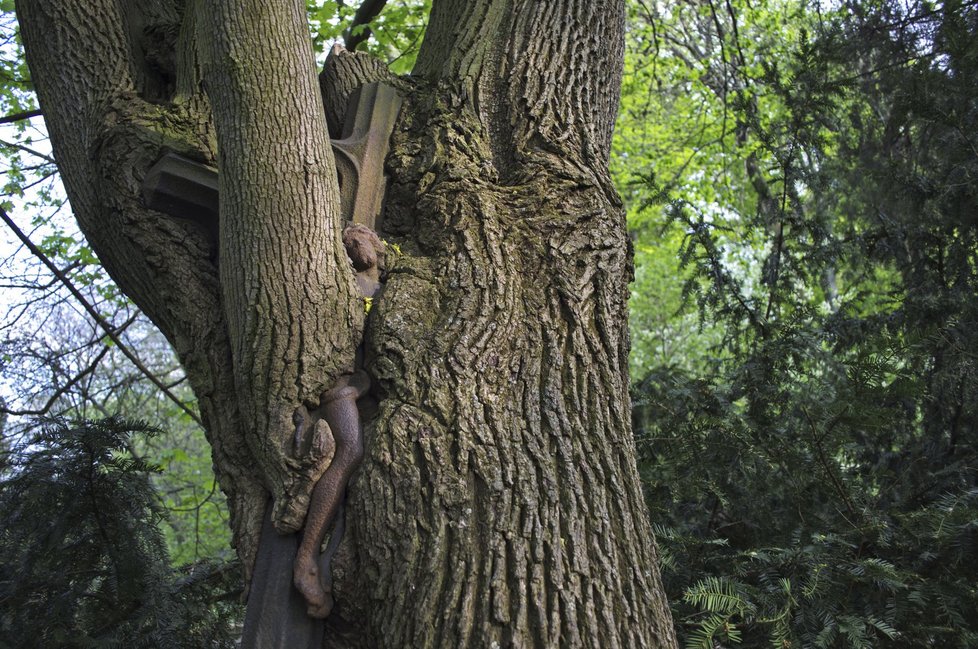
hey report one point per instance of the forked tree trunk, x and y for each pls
(498, 503)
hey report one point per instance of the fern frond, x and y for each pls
(717, 595)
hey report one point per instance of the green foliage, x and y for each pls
(196, 527)
(394, 35)
(811, 463)
(723, 604)
(65, 364)
(82, 559)
(16, 87)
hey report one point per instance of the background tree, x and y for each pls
(83, 562)
(498, 500)
(812, 459)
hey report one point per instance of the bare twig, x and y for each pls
(27, 149)
(43, 410)
(827, 467)
(106, 327)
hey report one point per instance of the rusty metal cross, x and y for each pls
(276, 613)
(186, 189)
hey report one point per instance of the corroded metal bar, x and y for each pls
(276, 614)
(338, 406)
(182, 188)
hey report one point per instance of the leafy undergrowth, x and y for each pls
(83, 562)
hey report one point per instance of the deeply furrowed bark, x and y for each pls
(499, 504)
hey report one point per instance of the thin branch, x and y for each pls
(778, 249)
(106, 327)
(34, 286)
(367, 11)
(178, 381)
(46, 175)
(43, 410)
(200, 504)
(27, 149)
(16, 117)
(827, 467)
(736, 37)
(44, 166)
(411, 46)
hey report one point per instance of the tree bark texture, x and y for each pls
(498, 504)
(105, 135)
(293, 312)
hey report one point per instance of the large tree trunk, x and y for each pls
(498, 503)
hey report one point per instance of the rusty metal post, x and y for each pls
(182, 188)
(275, 617)
(361, 151)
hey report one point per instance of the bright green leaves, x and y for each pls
(813, 172)
(724, 606)
(694, 109)
(394, 35)
(398, 32)
(327, 21)
(16, 90)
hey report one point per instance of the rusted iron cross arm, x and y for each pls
(186, 189)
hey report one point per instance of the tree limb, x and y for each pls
(16, 117)
(368, 10)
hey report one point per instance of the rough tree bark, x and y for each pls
(498, 503)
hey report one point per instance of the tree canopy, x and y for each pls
(810, 455)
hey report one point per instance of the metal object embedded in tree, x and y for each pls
(361, 151)
(182, 188)
(186, 189)
(278, 616)
(338, 406)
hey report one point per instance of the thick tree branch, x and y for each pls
(288, 293)
(343, 72)
(499, 480)
(544, 77)
(105, 136)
